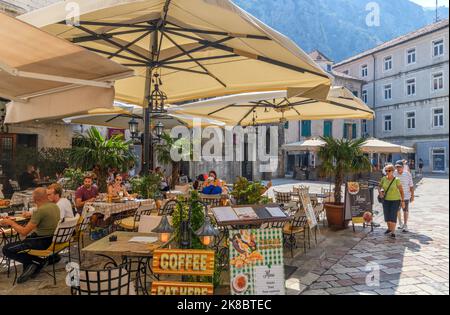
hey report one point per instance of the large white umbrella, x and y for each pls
(201, 48)
(45, 76)
(272, 107)
(379, 146)
(307, 145)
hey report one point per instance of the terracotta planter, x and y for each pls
(335, 216)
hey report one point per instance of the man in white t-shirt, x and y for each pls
(54, 193)
(408, 189)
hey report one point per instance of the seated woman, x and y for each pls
(117, 188)
(213, 185)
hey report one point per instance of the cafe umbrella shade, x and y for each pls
(307, 145)
(276, 107)
(183, 50)
(121, 115)
(379, 146)
(40, 72)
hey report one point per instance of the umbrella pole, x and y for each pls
(148, 141)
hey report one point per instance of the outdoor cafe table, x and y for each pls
(108, 209)
(129, 252)
(25, 197)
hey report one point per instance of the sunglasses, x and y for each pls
(389, 171)
(118, 180)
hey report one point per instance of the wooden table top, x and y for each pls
(122, 247)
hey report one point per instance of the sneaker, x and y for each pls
(27, 273)
(405, 229)
(400, 226)
(393, 235)
(387, 232)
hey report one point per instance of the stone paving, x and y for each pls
(414, 263)
(370, 263)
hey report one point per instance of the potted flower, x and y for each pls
(341, 158)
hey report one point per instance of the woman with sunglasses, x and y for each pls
(117, 188)
(391, 190)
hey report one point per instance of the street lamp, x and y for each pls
(133, 126)
(159, 129)
(207, 232)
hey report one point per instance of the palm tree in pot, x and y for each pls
(341, 158)
(94, 149)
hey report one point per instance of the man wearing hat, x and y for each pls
(408, 188)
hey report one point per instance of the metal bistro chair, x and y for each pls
(283, 198)
(82, 226)
(14, 185)
(168, 208)
(113, 281)
(295, 227)
(7, 236)
(132, 223)
(211, 200)
(61, 240)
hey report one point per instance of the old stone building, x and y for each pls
(406, 83)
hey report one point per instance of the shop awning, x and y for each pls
(307, 145)
(37, 69)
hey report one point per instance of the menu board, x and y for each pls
(245, 213)
(357, 201)
(309, 210)
(256, 262)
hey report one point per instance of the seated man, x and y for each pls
(28, 178)
(54, 193)
(44, 222)
(85, 193)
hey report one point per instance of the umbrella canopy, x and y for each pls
(200, 48)
(378, 146)
(121, 114)
(407, 150)
(37, 68)
(273, 107)
(307, 145)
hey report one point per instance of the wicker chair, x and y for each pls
(211, 200)
(131, 223)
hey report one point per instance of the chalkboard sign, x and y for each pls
(357, 201)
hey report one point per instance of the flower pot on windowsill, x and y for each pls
(335, 216)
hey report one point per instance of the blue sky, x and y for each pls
(431, 3)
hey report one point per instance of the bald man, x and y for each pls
(38, 232)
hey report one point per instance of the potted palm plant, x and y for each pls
(94, 149)
(341, 158)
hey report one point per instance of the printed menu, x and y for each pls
(256, 262)
(245, 213)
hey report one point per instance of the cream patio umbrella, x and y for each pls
(378, 146)
(120, 116)
(272, 107)
(45, 76)
(195, 48)
(308, 145)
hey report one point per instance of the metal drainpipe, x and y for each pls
(374, 125)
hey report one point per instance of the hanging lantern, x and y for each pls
(157, 98)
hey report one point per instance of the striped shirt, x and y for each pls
(407, 183)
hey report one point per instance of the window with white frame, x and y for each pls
(388, 63)
(437, 81)
(438, 48)
(411, 87)
(411, 56)
(364, 71)
(438, 117)
(387, 122)
(364, 96)
(387, 89)
(411, 120)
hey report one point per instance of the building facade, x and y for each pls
(406, 83)
(297, 131)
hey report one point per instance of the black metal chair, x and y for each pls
(168, 208)
(62, 239)
(83, 225)
(211, 200)
(298, 225)
(112, 281)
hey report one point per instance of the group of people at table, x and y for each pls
(51, 207)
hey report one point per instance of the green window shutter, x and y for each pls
(327, 129)
(345, 131)
(306, 128)
(354, 131)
